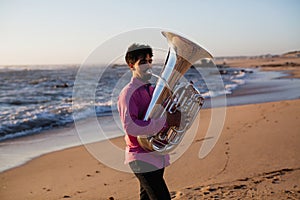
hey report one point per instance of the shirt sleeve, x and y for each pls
(129, 113)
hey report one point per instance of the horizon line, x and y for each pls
(215, 58)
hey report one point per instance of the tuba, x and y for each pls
(171, 94)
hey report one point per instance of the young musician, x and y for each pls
(133, 102)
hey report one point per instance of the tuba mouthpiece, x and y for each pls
(149, 71)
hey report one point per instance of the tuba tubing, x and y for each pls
(170, 95)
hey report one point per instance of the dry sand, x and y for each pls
(256, 157)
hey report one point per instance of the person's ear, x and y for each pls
(131, 66)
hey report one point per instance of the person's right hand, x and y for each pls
(174, 119)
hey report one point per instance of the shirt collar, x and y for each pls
(138, 82)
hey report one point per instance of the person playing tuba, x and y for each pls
(133, 102)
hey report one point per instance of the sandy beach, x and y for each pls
(256, 157)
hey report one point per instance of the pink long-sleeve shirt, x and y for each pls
(133, 102)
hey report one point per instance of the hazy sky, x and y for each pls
(67, 31)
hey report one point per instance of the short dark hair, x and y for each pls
(136, 52)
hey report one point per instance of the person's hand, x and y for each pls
(174, 119)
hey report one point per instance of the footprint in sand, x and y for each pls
(176, 195)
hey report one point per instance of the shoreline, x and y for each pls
(31, 147)
(28, 148)
(67, 137)
(227, 171)
(291, 64)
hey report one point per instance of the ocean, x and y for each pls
(38, 98)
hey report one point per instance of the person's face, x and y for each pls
(140, 68)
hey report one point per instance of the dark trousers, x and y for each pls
(152, 183)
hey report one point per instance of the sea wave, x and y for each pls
(33, 99)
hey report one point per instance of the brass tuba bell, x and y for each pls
(171, 95)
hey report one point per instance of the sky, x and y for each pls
(67, 31)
